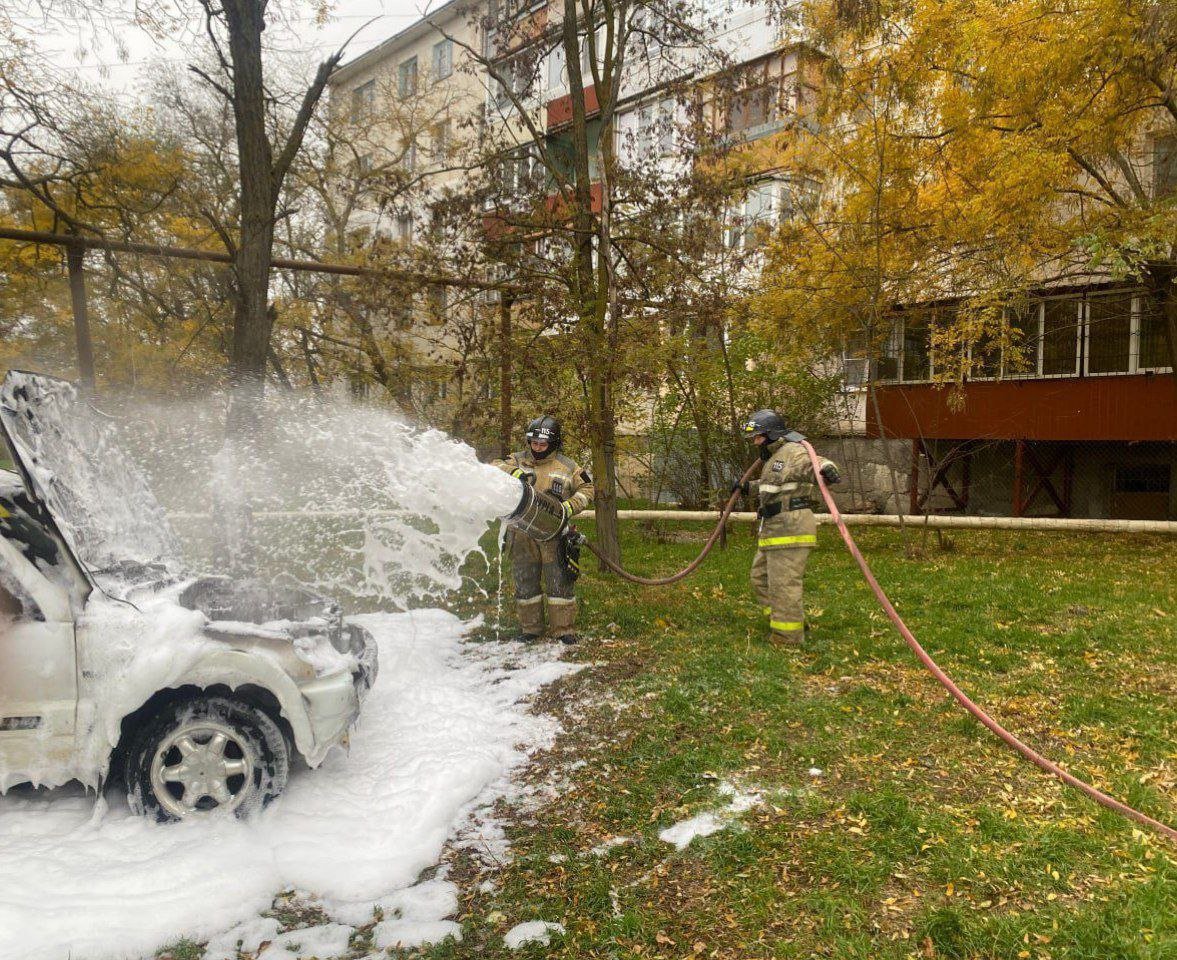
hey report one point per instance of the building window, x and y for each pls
(1019, 356)
(558, 66)
(518, 82)
(506, 10)
(557, 75)
(1109, 333)
(437, 301)
(1153, 347)
(649, 130)
(406, 78)
(439, 139)
(363, 101)
(443, 59)
(404, 227)
(1060, 337)
(754, 218)
(518, 174)
(917, 347)
(755, 107)
(886, 365)
(854, 368)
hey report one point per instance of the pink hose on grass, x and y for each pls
(996, 728)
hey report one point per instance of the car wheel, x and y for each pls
(206, 756)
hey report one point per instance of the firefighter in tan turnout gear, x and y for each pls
(787, 490)
(538, 568)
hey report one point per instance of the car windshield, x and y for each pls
(100, 500)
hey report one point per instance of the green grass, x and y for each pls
(924, 837)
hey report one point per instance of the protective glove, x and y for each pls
(742, 486)
(830, 474)
(527, 476)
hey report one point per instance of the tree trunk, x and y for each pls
(252, 323)
(591, 304)
(505, 419)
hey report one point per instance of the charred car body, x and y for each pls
(196, 693)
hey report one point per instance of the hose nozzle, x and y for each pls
(539, 515)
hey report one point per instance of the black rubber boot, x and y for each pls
(568, 639)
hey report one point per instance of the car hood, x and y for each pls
(70, 462)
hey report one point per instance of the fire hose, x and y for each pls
(959, 695)
(547, 521)
(694, 564)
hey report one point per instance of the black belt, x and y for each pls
(794, 503)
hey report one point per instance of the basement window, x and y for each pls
(1143, 478)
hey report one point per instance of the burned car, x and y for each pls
(195, 693)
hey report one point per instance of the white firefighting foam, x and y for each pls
(345, 498)
(339, 497)
(444, 727)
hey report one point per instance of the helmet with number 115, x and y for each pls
(767, 422)
(545, 429)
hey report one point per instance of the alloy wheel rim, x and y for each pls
(201, 768)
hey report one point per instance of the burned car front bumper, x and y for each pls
(333, 702)
(332, 662)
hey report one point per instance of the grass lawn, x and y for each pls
(922, 836)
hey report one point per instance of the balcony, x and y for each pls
(560, 109)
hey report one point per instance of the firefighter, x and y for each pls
(538, 568)
(787, 529)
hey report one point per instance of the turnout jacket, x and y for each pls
(555, 474)
(787, 489)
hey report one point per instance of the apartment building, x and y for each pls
(522, 40)
(412, 110)
(410, 102)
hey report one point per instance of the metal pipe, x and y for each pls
(75, 256)
(221, 256)
(1062, 524)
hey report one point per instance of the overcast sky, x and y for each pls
(120, 59)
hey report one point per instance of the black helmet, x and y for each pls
(546, 429)
(768, 422)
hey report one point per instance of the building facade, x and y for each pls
(1076, 416)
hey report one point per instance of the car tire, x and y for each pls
(205, 756)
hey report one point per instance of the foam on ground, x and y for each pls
(445, 726)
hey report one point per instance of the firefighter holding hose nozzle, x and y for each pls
(539, 568)
(787, 532)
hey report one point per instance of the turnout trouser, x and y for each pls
(537, 572)
(778, 577)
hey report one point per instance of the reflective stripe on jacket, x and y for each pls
(787, 477)
(555, 474)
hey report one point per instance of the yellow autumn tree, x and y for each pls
(972, 149)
